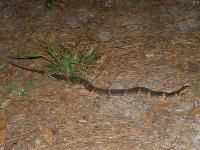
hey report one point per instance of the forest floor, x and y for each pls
(153, 44)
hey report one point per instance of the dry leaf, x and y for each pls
(2, 131)
(193, 111)
(164, 112)
(2, 136)
(47, 134)
(147, 118)
(2, 124)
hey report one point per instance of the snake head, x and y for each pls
(183, 90)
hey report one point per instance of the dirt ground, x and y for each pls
(152, 44)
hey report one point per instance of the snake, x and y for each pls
(91, 88)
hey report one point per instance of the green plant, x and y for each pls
(51, 3)
(18, 89)
(63, 61)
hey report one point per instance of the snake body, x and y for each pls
(88, 86)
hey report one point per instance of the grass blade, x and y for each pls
(52, 72)
(25, 55)
(50, 50)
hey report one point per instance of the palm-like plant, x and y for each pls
(63, 61)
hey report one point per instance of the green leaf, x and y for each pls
(65, 62)
(50, 65)
(73, 70)
(51, 3)
(75, 57)
(25, 55)
(89, 57)
(63, 52)
(91, 51)
(51, 50)
(52, 72)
